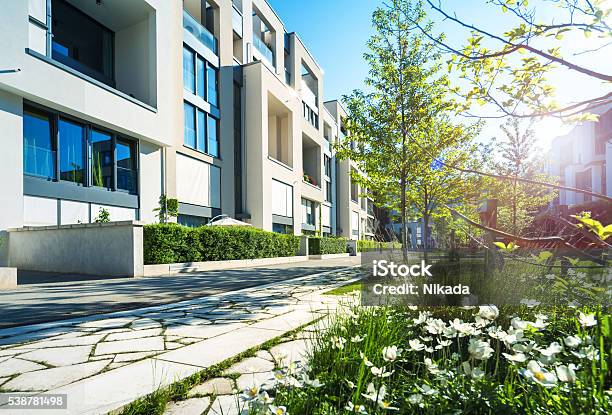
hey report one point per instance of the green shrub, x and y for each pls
(172, 243)
(325, 245)
(365, 245)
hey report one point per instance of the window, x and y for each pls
(38, 147)
(85, 154)
(127, 173)
(101, 159)
(213, 136)
(201, 80)
(282, 228)
(72, 151)
(282, 199)
(201, 131)
(308, 214)
(82, 43)
(192, 221)
(328, 191)
(188, 72)
(190, 128)
(355, 224)
(327, 165)
(212, 87)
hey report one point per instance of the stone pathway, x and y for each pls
(106, 361)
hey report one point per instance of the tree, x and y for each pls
(511, 70)
(405, 94)
(519, 202)
(168, 208)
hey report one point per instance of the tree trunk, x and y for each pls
(425, 234)
(404, 233)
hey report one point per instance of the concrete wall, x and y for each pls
(111, 249)
(11, 161)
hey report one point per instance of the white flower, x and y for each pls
(365, 360)
(278, 410)
(390, 353)
(357, 339)
(530, 302)
(515, 358)
(250, 394)
(572, 341)
(415, 398)
(475, 373)
(359, 409)
(372, 394)
(416, 345)
(380, 372)
(435, 326)
(423, 316)
(432, 367)
(588, 352)
(489, 312)
(265, 398)
(480, 349)
(338, 342)
(551, 350)
(586, 320)
(386, 405)
(350, 384)
(524, 347)
(566, 373)
(427, 390)
(539, 375)
(315, 383)
(413, 308)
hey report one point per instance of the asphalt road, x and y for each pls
(39, 303)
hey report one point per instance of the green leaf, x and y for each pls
(500, 245)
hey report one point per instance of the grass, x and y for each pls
(156, 402)
(345, 289)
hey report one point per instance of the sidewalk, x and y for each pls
(103, 362)
(30, 304)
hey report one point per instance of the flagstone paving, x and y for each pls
(106, 361)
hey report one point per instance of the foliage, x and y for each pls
(168, 208)
(595, 226)
(511, 247)
(367, 245)
(379, 360)
(512, 71)
(172, 243)
(400, 130)
(103, 216)
(323, 245)
(519, 202)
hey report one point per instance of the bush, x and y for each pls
(325, 245)
(365, 245)
(172, 243)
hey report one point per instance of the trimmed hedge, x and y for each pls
(172, 243)
(323, 245)
(365, 245)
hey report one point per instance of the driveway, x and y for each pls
(41, 303)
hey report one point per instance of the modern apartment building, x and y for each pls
(110, 104)
(583, 159)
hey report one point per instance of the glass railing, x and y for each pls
(195, 28)
(39, 161)
(262, 48)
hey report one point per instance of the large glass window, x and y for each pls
(190, 127)
(201, 77)
(101, 159)
(328, 191)
(201, 133)
(127, 173)
(212, 88)
(82, 43)
(308, 214)
(189, 79)
(327, 165)
(71, 151)
(38, 147)
(213, 136)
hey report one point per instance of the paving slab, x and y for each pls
(203, 331)
(130, 357)
(226, 405)
(264, 354)
(292, 351)
(250, 365)
(216, 386)
(16, 366)
(193, 406)
(109, 323)
(137, 334)
(77, 341)
(60, 356)
(212, 351)
(173, 345)
(145, 323)
(43, 380)
(254, 379)
(286, 322)
(128, 346)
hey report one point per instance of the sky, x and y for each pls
(336, 31)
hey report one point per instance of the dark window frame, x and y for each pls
(207, 66)
(55, 117)
(198, 131)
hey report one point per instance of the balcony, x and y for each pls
(200, 32)
(263, 50)
(237, 21)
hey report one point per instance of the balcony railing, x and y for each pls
(200, 32)
(262, 48)
(237, 21)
